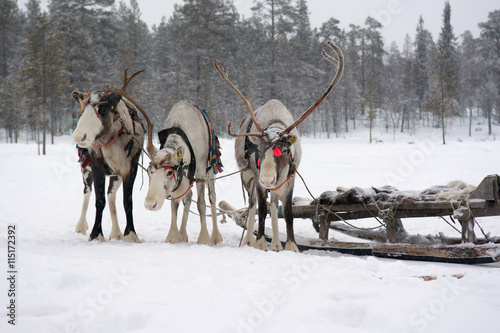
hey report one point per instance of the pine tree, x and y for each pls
(443, 90)
(423, 41)
(276, 18)
(45, 68)
(449, 61)
(490, 50)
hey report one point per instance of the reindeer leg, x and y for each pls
(100, 203)
(114, 184)
(275, 243)
(173, 234)
(290, 245)
(129, 235)
(216, 235)
(261, 240)
(249, 236)
(187, 204)
(82, 225)
(204, 237)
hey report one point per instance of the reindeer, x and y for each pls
(188, 154)
(110, 129)
(268, 150)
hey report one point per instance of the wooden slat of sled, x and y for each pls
(418, 209)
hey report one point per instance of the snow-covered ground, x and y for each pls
(66, 284)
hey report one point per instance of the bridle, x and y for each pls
(117, 116)
(251, 147)
(180, 170)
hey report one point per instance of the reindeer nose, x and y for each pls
(268, 182)
(151, 204)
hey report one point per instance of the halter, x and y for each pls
(252, 148)
(175, 169)
(116, 117)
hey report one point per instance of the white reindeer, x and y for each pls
(184, 158)
(109, 127)
(268, 149)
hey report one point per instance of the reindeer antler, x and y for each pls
(246, 101)
(122, 91)
(229, 123)
(340, 69)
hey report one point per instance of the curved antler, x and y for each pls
(229, 123)
(340, 69)
(122, 91)
(247, 102)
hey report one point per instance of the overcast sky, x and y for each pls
(399, 17)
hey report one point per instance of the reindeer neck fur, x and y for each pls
(116, 157)
(188, 118)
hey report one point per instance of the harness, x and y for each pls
(214, 153)
(191, 167)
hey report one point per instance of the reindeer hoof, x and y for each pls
(82, 227)
(132, 238)
(184, 237)
(276, 246)
(204, 237)
(249, 240)
(216, 238)
(173, 238)
(116, 235)
(261, 244)
(291, 246)
(99, 238)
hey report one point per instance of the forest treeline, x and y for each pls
(274, 53)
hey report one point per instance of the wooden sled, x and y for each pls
(392, 240)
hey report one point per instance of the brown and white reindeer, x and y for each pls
(268, 150)
(188, 154)
(110, 130)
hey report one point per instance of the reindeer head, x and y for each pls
(276, 141)
(90, 128)
(98, 113)
(169, 174)
(165, 176)
(276, 156)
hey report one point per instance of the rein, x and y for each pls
(277, 188)
(183, 194)
(113, 140)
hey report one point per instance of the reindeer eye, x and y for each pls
(169, 173)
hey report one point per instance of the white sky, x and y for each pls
(399, 17)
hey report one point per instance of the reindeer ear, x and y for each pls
(113, 99)
(77, 95)
(180, 153)
(292, 140)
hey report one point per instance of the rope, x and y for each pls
(330, 211)
(109, 144)
(451, 225)
(183, 194)
(232, 173)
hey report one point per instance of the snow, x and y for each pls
(66, 284)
